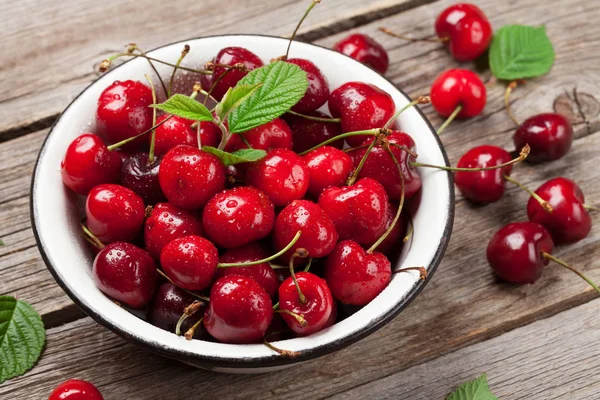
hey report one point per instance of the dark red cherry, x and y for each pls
(317, 92)
(307, 133)
(123, 112)
(549, 136)
(190, 262)
(333, 316)
(515, 252)
(240, 311)
(89, 163)
(229, 56)
(75, 389)
(483, 186)
(167, 307)
(141, 176)
(355, 276)
(238, 216)
(364, 49)
(361, 106)
(272, 135)
(174, 132)
(282, 175)
(458, 87)
(189, 176)
(569, 221)
(114, 213)
(393, 243)
(465, 30)
(327, 166)
(167, 222)
(125, 273)
(316, 309)
(359, 211)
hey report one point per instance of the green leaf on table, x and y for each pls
(22, 337)
(476, 389)
(237, 157)
(284, 84)
(185, 107)
(234, 97)
(520, 52)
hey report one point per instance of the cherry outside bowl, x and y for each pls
(55, 216)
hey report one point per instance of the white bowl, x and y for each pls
(55, 216)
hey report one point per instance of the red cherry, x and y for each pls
(174, 132)
(239, 311)
(238, 216)
(263, 274)
(392, 244)
(89, 163)
(327, 166)
(141, 176)
(166, 223)
(114, 213)
(361, 106)
(125, 273)
(317, 92)
(307, 133)
(75, 389)
(483, 186)
(272, 135)
(549, 136)
(190, 262)
(458, 87)
(333, 316)
(569, 221)
(230, 56)
(359, 211)
(167, 307)
(515, 252)
(364, 49)
(282, 175)
(189, 176)
(123, 112)
(316, 309)
(466, 30)
(355, 276)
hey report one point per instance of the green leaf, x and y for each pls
(519, 52)
(476, 389)
(185, 107)
(22, 337)
(284, 84)
(234, 97)
(237, 157)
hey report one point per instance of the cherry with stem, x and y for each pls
(187, 312)
(545, 205)
(91, 238)
(448, 120)
(201, 297)
(264, 260)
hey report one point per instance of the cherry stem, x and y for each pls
(199, 136)
(317, 119)
(190, 332)
(419, 100)
(371, 132)
(106, 63)
(422, 271)
(522, 156)
(406, 149)
(243, 138)
(545, 205)
(132, 48)
(153, 135)
(310, 7)
(184, 52)
(567, 266)
(450, 119)
(307, 268)
(224, 135)
(351, 149)
(214, 85)
(411, 228)
(264, 260)
(91, 238)
(297, 317)
(591, 208)
(302, 253)
(509, 88)
(285, 353)
(354, 175)
(185, 290)
(396, 35)
(187, 312)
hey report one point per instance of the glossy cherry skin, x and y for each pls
(458, 87)
(263, 274)
(466, 30)
(125, 273)
(282, 175)
(89, 163)
(393, 243)
(317, 92)
(361, 106)
(229, 56)
(549, 135)
(123, 112)
(272, 135)
(167, 222)
(238, 216)
(483, 186)
(240, 311)
(515, 252)
(355, 276)
(178, 131)
(75, 389)
(359, 211)
(364, 49)
(327, 166)
(189, 176)
(141, 176)
(317, 308)
(569, 221)
(307, 133)
(190, 262)
(114, 213)
(167, 307)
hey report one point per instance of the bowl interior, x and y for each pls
(56, 217)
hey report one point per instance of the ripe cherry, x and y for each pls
(239, 311)
(392, 244)
(238, 216)
(125, 273)
(229, 56)
(89, 163)
(327, 166)
(189, 176)
(75, 389)
(141, 176)
(317, 92)
(167, 222)
(465, 29)
(272, 135)
(282, 175)
(114, 213)
(549, 135)
(364, 49)
(178, 131)
(307, 133)
(458, 88)
(190, 262)
(123, 112)
(167, 307)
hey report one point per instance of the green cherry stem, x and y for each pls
(281, 352)
(106, 63)
(133, 47)
(419, 100)
(371, 132)
(185, 290)
(591, 208)
(264, 260)
(509, 88)
(190, 332)
(187, 312)
(153, 134)
(545, 205)
(184, 52)
(449, 119)
(307, 268)
(399, 36)
(302, 253)
(522, 156)
(422, 271)
(310, 7)
(317, 119)
(411, 228)
(298, 317)
(245, 140)
(91, 238)
(354, 175)
(567, 266)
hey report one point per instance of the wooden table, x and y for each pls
(537, 342)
